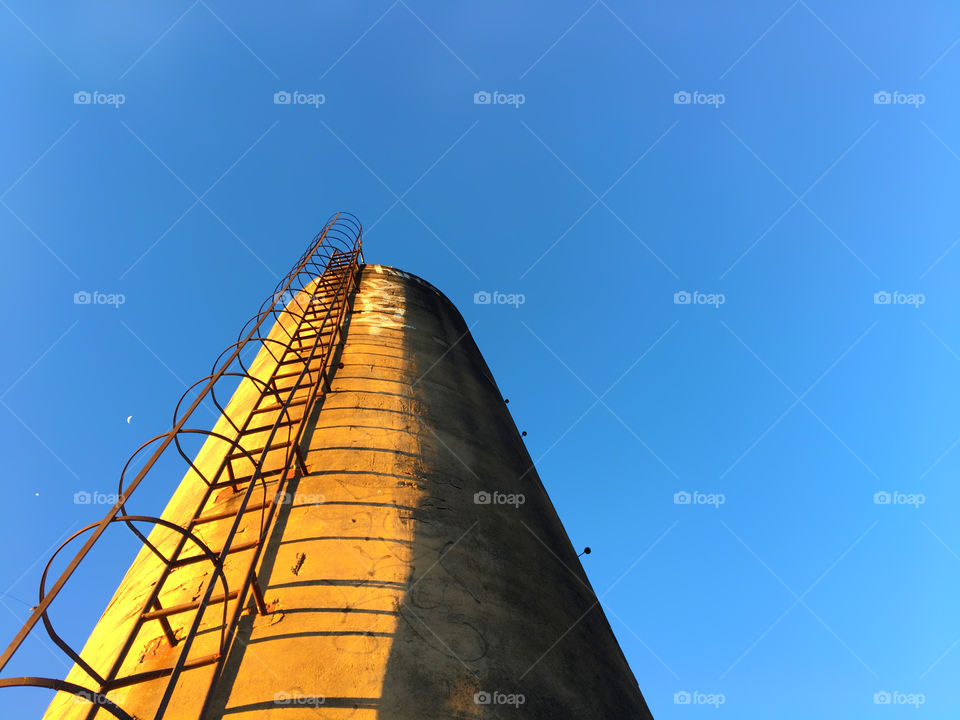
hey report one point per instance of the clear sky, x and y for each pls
(782, 198)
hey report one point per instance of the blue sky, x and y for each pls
(783, 198)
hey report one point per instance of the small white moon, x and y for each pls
(129, 419)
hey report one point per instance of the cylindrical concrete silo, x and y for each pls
(402, 593)
(415, 568)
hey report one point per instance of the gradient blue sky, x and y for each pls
(598, 199)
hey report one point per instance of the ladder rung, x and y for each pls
(294, 360)
(299, 343)
(325, 299)
(322, 303)
(271, 408)
(224, 514)
(264, 428)
(314, 332)
(303, 386)
(154, 674)
(308, 335)
(253, 453)
(190, 559)
(309, 346)
(295, 373)
(183, 607)
(309, 324)
(244, 479)
(333, 306)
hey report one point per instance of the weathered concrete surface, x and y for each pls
(394, 593)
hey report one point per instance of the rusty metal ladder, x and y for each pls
(308, 333)
(304, 362)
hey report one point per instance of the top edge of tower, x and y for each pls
(390, 270)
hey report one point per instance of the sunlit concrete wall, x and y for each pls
(418, 570)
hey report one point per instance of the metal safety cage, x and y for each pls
(305, 315)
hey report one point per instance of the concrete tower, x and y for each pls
(398, 559)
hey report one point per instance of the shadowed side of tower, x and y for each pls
(420, 570)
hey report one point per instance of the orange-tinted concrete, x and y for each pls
(417, 570)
